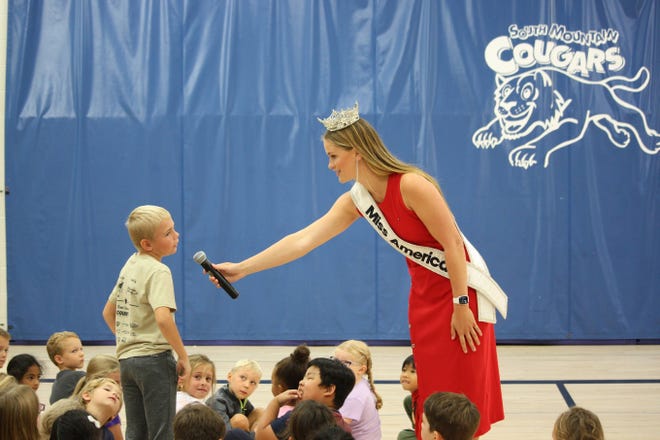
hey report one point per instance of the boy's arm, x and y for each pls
(110, 315)
(168, 328)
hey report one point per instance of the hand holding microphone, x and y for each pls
(200, 257)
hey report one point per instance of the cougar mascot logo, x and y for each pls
(536, 112)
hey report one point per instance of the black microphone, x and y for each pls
(200, 257)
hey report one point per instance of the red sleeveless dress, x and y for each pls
(441, 364)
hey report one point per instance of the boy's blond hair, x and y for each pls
(143, 221)
(248, 364)
(5, 334)
(54, 344)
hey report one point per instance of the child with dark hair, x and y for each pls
(332, 433)
(408, 381)
(75, 424)
(288, 373)
(26, 369)
(308, 417)
(327, 381)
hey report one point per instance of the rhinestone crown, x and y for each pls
(341, 119)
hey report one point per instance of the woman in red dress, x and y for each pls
(452, 350)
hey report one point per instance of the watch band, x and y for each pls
(463, 299)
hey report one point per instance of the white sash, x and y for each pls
(490, 295)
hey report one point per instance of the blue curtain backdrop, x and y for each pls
(539, 119)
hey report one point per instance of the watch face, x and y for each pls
(462, 299)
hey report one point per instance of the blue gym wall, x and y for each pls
(209, 109)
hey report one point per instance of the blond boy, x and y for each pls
(140, 312)
(66, 351)
(231, 400)
(5, 337)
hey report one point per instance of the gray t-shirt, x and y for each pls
(65, 383)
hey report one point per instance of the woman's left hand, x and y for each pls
(465, 327)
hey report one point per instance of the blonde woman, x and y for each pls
(453, 350)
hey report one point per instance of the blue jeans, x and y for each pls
(149, 387)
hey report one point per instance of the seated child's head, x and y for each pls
(356, 356)
(578, 424)
(7, 381)
(101, 365)
(198, 422)
(151, 226)
(327, 381)
(244, 378)
(449, 416)
(288, 372)
(408, 376)
(66, 350)
(307, 418)
(19, 410)
(26, 369)
(332, 433)
(201, 380)
(5, 337)
(102, 398)
(75, 424)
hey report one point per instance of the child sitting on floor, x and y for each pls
(408, 381)
(196, 387)
(231, 400)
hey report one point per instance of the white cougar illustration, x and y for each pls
(537, 112)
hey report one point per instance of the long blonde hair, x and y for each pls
(19, 409)
(360, 351)
(362, 137)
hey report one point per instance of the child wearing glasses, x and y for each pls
(360, 410)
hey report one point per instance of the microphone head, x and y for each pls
(199, 257)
